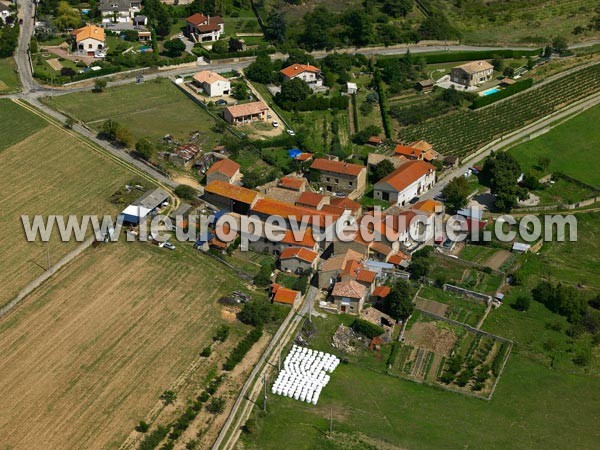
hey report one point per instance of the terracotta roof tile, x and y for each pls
(294, 183)
(306, 240)
(208, 76)
(225, 166)
(381, 291)
(296, 69)
(231, 191)
(350, 288)
(408, 150)
(247, 109)
(89, 32)
(299, 253)
(340, 167)
(406, 174)
(311, 199)
(285, 295)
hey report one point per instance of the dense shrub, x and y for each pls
(507, 92)
(240, 350)
(154, 438)
(367, 329)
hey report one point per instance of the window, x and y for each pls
(337, 181)
(328, 179)
(350, 183)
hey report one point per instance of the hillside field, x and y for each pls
(152, 109)
(87, 356)
(573, 148)
(46, 171)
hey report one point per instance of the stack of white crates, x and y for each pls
(304, 374)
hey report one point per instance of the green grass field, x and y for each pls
(16, 123)
(572, 148)
(9, 79)
(152, 109)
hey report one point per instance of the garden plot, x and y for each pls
(450, 356)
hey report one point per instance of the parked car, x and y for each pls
(291, 132)
(275, 123)
(169, 246)
(221, 102)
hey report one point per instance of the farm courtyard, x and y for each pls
(86, 357)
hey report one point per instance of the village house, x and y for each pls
(283, 295)
(292, 183)
(376, 141)
(417, 150)
(246, 113)
(332, 267)
(230, 197)
(119, 11)
(184, 155)
(351, 88)
(213, 84)
(4, 11)
(405, 183)
(340, 177)
(224, 170)
(294, 215)
(311, 75)
(88, 40)
(201, 28)
(349, 297)
(429, 154)
(375, 158)
(472, 73)
(312, 200)
(298, 260)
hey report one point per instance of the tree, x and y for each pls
(275, 27)
(498, 63)
(419, 267)
(145, 149)
(99, 84)
(501, 172)
(220, 47)
(363, 135)
(186, 192)
(240, 91)
(509, 71)
(235, 45)
(261, 70)
(124, 137)
(142, 427)
(560, 44)
(66, 16)
(437, 26)
(69, 122)
(382, 170)
(293, 91)
(216, 405)
(456, 193)
(398, 303)
(398, 8)
(67, 72)
(168, 397)
(175, 47)
(522, 302)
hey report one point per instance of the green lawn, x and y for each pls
(572, 148)
(9, 80)
(477, 253)
(16, 123)
(152, 109)
(533, 407)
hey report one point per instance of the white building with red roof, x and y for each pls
(307, 73)
(213, 84)
(410, 180)
(201, 28)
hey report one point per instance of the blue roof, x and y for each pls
(204, 238)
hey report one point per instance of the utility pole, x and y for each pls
(265, 392)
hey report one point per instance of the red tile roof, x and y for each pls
(407, 150)
(350, 289)
(225, 166)
(365, 276)
(340, 167)
(247, 109)
(376, 140)
(293, 183)
(285, 295)
(311, 199)
(346, 203)
(231, 191)
(275, 208)
(306, 240)
(299, 253)
(304, 156)
(406, 174)
(296, 69)
(381, 291)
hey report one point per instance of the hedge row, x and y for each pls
(436, 58)
(201, 51)
(383, 105)
(240, 350)
(315, 103)
(504, 93)
(154, 438)
(367, 329)
(499, 359)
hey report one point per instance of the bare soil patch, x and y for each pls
(432, 306)
(426, 335)
(497, 259)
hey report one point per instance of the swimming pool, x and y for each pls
(489, 91)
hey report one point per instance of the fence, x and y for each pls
(467, 293)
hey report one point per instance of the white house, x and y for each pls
(213, 84)
(351, 88)
(4, 10)
(307, 73)
(119, 11)
(201, 28)
(88, 40)
(410, 180)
